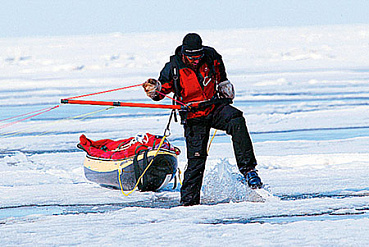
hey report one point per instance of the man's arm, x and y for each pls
(163, 85)
(221, 67)
(225, 87)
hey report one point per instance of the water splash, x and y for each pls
(224, 183)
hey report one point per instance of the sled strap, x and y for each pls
(137, 168)
(177, 178)
(143, 173)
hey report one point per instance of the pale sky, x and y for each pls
(20, 18)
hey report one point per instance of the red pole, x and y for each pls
(117, 103)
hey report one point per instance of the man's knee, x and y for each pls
(236, 125)
(224, 116)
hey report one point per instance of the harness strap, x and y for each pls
(177, 90)
(214, 101)
(175, 72)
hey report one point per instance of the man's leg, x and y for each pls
(230, 119)
(197, 136)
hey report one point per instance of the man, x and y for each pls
(196, 73)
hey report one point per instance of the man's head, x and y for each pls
(192, 49)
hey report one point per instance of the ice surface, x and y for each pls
(304, 92)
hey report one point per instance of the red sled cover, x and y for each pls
(121, 149)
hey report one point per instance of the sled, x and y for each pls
(134, 162)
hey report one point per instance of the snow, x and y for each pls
(304, 92)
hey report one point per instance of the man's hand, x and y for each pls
(226, 90)
(151, 86)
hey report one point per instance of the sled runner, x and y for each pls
(146, 161)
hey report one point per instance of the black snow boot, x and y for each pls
(253, 180)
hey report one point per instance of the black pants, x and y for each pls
(197, 130)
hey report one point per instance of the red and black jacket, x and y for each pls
(194, 86)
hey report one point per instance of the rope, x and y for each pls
(179, 102)
(81, 117)
(23, 119)
(39, 112)
(24, 114)
(107, 91)
(211, 140)
(143, 173)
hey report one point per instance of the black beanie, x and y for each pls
(192, 45)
